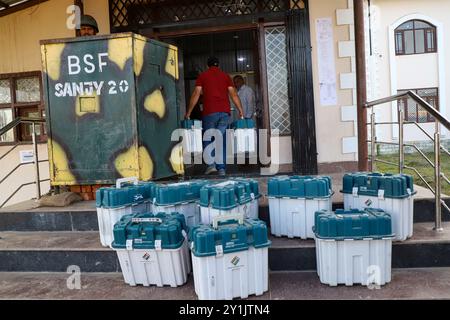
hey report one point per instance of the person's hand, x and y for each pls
(241, 115)
(187, 116)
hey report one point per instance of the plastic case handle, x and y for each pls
(119, 182)
(236, 217)
(140, 220)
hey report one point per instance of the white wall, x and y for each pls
(23, 174)
(412, 71)
(336, 125)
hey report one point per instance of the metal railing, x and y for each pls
(436, 165)
(10, 126)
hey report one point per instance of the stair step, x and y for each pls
(56, 251)
(432, 283)
(80, 216)
(83, 216)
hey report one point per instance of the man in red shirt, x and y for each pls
(216, 87)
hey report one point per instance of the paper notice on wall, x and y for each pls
(26, 156)
(327, 67)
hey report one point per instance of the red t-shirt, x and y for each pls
(215, 84)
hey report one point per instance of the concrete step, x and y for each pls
(426, 249)
(80, 216)
(56, 251)
(83, 216)
(432, 283)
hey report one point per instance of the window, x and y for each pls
(415, 113)
(415, 37)
(21, 96)
(11, 6)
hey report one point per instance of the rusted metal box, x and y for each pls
(112, 103)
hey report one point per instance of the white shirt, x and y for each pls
(248, 100)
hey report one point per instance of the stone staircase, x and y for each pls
(52, 239)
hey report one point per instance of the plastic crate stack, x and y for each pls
(127, 197)
(232, 197)
(179, 197)
(230, 248)
(293, 202)
(245, 136)
(153, 249)
(353, 247)
(392, 193)
(192, 137)
(152, 243)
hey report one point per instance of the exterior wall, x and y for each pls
(24, 174)
(336, 125)
(21, 33)
(99, 10)
(407, 72)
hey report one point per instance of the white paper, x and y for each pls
(327, 67)
(26, 156)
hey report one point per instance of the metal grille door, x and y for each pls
(277, 79)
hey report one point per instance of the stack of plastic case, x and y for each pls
(392, 193)
(245, 136)
(293, 202)
(153, 249)
(115, 202)
(179, 197)
(354, 247)
(230, 260)
(192, 137)
(229, 198)
(255, 195)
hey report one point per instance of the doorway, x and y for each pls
(238, 53)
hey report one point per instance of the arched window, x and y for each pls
(415, 37)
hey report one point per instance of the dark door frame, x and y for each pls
(301, 100)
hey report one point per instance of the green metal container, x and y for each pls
(112, 103)
(353, 224)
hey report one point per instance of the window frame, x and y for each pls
(398, 32)
(16, 106)
(405, 100)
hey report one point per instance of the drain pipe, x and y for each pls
(361, 84)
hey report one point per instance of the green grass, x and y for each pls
(417, 161)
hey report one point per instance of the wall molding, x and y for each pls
(346, 49)
(441, 65)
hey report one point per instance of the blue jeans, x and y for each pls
(219, 121)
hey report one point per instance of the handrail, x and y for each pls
(421, 178)
(9, 151)
(436, 114)
(17, 167)
(439, 119)
(18, 189)
(33, 122)
(18, 121)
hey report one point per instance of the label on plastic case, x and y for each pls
(381, 194)
(355, 192)
(219, 250)
(158, 245)
(139, 220)
(129, 244)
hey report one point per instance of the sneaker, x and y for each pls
(222, 172)
(210, 169)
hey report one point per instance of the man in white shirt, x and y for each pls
(247, 96)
